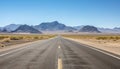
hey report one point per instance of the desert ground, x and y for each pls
(107, 42)
(10, 40)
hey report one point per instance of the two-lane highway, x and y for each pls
(57, 53)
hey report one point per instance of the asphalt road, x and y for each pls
(58, 53)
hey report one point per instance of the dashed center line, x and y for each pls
(59, 46)
(59, 59)
(60, 63)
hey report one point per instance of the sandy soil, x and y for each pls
(111, 46)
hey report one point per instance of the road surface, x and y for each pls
(58, 53)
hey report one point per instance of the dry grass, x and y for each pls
(6, 39)
(97, 37)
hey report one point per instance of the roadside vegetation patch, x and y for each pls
(110, 38)
(11, 39)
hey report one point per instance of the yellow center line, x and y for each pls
(59, 63)
(59, 47)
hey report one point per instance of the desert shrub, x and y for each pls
(111, 37)
(20, 37)
(3, 37)
(27, 37)
(117, 37)
(13, 38)
(2, 45)
(36, 37)
(41, 37)
(16, 38)
(6, 40)
(101, 38)
(108, 37)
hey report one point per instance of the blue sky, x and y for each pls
(100, 13)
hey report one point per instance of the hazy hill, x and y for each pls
(26, 29)
(109, 30)
(89, 28)
(117, 29)
(0, 30)
(4, 30)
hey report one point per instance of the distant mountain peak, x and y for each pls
(52, 26)
(89, 28)
(55, 22)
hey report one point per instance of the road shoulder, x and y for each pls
(114, 50)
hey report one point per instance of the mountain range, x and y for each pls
(55, 26)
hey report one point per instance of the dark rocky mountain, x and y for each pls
(4, 30)
(11, 27)
(0, 30)
(26, 29)
(89, 28)
(53, 26)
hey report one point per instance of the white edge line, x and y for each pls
(104, 52)
(11, 51)
(100, 51)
